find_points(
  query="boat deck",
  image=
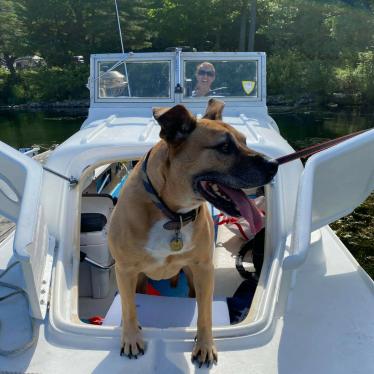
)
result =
(333, 335)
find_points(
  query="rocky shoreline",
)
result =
(336, 101)
(78, 107)
(276, 103)
(356, 231)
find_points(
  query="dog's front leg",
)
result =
(132, 342)
(204, 350)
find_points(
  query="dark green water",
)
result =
(23, 129)
(306, 128)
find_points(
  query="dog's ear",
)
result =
(176, 123)
(214, 109)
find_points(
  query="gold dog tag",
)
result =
(176, 244)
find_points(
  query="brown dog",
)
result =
(161, 223)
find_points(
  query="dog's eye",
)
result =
(225, 148)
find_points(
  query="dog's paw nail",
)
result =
(140, 349)
(122, 353)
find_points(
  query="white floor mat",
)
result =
(164, 312)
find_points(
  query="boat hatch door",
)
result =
(333, 183)
(21, 180)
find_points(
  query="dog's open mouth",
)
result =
(232, 201)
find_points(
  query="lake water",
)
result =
(304, 128)
(23, 129)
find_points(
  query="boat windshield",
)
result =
(220, 78)
(137, 79)
(152, 77)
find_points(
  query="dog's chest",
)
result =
(159, 240)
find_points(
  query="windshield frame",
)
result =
(177, 60)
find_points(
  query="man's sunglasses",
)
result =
(209, 73)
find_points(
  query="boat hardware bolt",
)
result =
(72, 181)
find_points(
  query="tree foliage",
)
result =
(12, 33)
(313, 46)
(61, 29)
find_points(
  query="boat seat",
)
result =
(96, 210)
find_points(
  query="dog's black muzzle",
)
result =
(254, 171)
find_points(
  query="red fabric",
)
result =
(96, 320)
(152, 291)
(234, 221)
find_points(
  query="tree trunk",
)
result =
(243, 22)
(9, 61)
(217, 47)
(252, 26)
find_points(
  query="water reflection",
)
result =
(23, 129)
(303, 129)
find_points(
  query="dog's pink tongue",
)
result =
(247, 208)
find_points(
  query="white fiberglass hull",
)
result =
(325, 326)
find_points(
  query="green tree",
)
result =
(61, 29)
(12, 42)
(322, 41)
(252, 26)
(316, 47)
(202, 24)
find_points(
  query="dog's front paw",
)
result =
(204, 352)
(132, 343)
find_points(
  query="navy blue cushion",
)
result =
(92, 222)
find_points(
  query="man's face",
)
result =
(205, 76)
(114, 82)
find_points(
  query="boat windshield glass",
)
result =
(220, 78)
(138, 79)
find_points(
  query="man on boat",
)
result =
(113, 84)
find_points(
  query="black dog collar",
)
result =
(177, 221)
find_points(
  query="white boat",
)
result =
(312, 310)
